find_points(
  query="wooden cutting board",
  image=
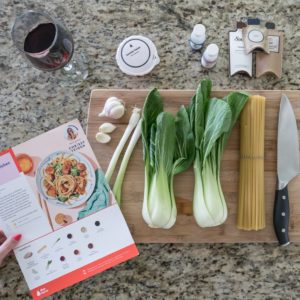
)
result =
(186, 229)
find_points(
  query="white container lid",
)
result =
(137, 56)
(211, 52)
(198, 34)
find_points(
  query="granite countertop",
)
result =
(32, 102)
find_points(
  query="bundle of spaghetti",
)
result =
(251, 200)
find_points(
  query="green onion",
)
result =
(135, 117)
(117, 189)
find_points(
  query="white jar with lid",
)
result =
(210, 56)
(137, 55)
(197, 38)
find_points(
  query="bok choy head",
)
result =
(212, 121)
(168, 150)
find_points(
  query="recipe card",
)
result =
(53, 192)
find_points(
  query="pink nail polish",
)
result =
(17, 237)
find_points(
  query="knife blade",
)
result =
(288, 167)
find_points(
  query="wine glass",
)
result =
(48, 45)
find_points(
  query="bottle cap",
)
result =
(211, 52)
(270, 25)
(198, 34)
(137, 56)
(253, 21)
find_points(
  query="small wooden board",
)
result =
(186, 230)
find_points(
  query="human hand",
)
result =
(7, 244)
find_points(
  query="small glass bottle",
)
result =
(197, 38)
(210, 56)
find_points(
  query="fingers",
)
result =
(8, 245)
(2, 237)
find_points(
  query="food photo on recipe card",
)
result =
(53, 192)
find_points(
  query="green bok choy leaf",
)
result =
(212, 121)
(168, 145)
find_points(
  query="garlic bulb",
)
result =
(103, 138)
(113, 108)
(107, 128)
(117, 112)
(113, 98)
(109, 106)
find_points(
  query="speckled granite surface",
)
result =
(32, 102)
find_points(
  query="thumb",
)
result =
(8, 245)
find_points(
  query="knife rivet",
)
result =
(282, 230)
(283, 197)
(283, 214)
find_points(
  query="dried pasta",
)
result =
(251, 199)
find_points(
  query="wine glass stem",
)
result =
(76, 68)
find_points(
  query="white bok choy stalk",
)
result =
(168, 146)
(133, 121)
(212, 121)
(117, 189)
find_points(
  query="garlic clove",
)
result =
(103, 138)
(110, 104)
(107, 107)
(107, 128)
(113, 98)
(117, 112)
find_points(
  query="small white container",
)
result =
(210, 56)
(137, 56)
(198, 36)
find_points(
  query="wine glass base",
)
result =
(76, 71)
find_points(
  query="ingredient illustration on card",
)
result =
(25, 163)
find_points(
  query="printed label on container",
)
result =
(274, 42)
(255, 36)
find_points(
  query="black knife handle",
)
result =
(281, 216)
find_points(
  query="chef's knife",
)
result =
(287, 167)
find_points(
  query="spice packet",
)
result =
(255, 36)
(271, 63)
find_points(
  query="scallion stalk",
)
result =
(117, 189)
(133, 121)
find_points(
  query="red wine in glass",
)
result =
(48, 45)
(48, 48)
